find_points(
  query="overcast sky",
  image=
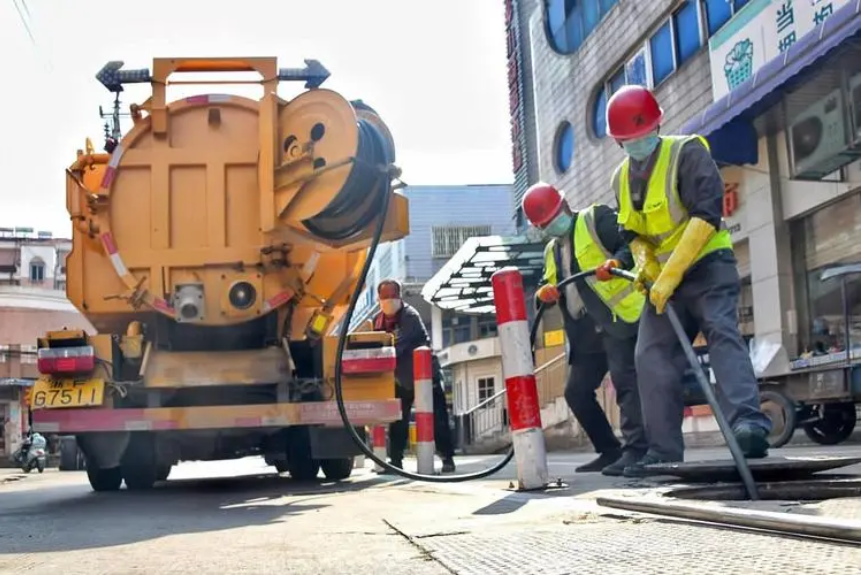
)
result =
(436, 72)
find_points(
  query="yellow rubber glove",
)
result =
(648, 267)
(697, 233)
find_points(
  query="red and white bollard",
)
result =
(518, 369)
(423, 377)
(378, 440)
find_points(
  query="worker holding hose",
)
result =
(600, 320)
(670, 204)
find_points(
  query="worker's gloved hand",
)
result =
(548, 294)
(602, 273)
(697, 233)
(648, 268)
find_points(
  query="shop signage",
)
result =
(730, 198)
(732, 209)
(759, 32)
(515, 96)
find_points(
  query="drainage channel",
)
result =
(726, 504)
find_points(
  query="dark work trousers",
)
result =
(585, 376)
(706, 300)
(399, 430)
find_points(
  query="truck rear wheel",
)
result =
(105, 479)
(300, 462)
(303, 469)
(163, 472)
(138, 465)
(140, 477)
(337, 469)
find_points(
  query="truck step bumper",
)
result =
(222, 417)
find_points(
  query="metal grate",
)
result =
(447, 240)
(637, 548)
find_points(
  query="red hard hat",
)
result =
(542, 203)
(632, 112)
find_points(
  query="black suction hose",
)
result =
(723, 424)
(342, 341)
(726, 431)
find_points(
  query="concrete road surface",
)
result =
(240, 517)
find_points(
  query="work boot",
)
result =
(752, 440)
(598, 464)
(618, 468)
(448, 465)
(399, 463)
(638, 469)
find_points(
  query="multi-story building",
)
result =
(775, 87)
(442, 218)
(32, 301)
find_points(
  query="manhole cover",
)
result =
(814, 490)
(770, 468)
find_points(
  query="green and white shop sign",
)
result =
(759, 32)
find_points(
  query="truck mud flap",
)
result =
(333, 443)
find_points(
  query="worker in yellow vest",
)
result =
(670, 204)
(600, 320)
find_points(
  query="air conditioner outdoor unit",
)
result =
(818, 140)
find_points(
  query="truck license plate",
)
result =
(67, 393)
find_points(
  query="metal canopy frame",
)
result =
(463, 283)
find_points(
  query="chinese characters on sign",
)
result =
(760, 32)
(785, 26)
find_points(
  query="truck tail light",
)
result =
(68, 360)
(365, 361)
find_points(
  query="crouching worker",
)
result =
(600, 316)
(404, 322)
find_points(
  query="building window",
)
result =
(617, 81)
(37, 271)
(686, 23)
(564, 147)
(487, 327)
(599, 114)
(663, 55)
(486, 388)
(718, 12)
(448, 239)
(570, 22)
(29, 354)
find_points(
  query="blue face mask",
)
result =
(560, 225)
(642, 148)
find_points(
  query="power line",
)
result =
(24, 19)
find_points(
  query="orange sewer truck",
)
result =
(216, 245)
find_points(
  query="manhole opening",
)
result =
(798, 491)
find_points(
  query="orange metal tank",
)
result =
(217, 210)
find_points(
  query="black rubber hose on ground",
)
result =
(342, 342)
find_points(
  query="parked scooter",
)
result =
(31, 454)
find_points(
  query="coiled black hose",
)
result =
(359, 201)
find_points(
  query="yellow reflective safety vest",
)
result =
(663, 219)
(618, 294)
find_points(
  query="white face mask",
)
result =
(390, 306)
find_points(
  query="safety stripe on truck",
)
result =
(359, 361)
(277, 300)
(195, 418)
